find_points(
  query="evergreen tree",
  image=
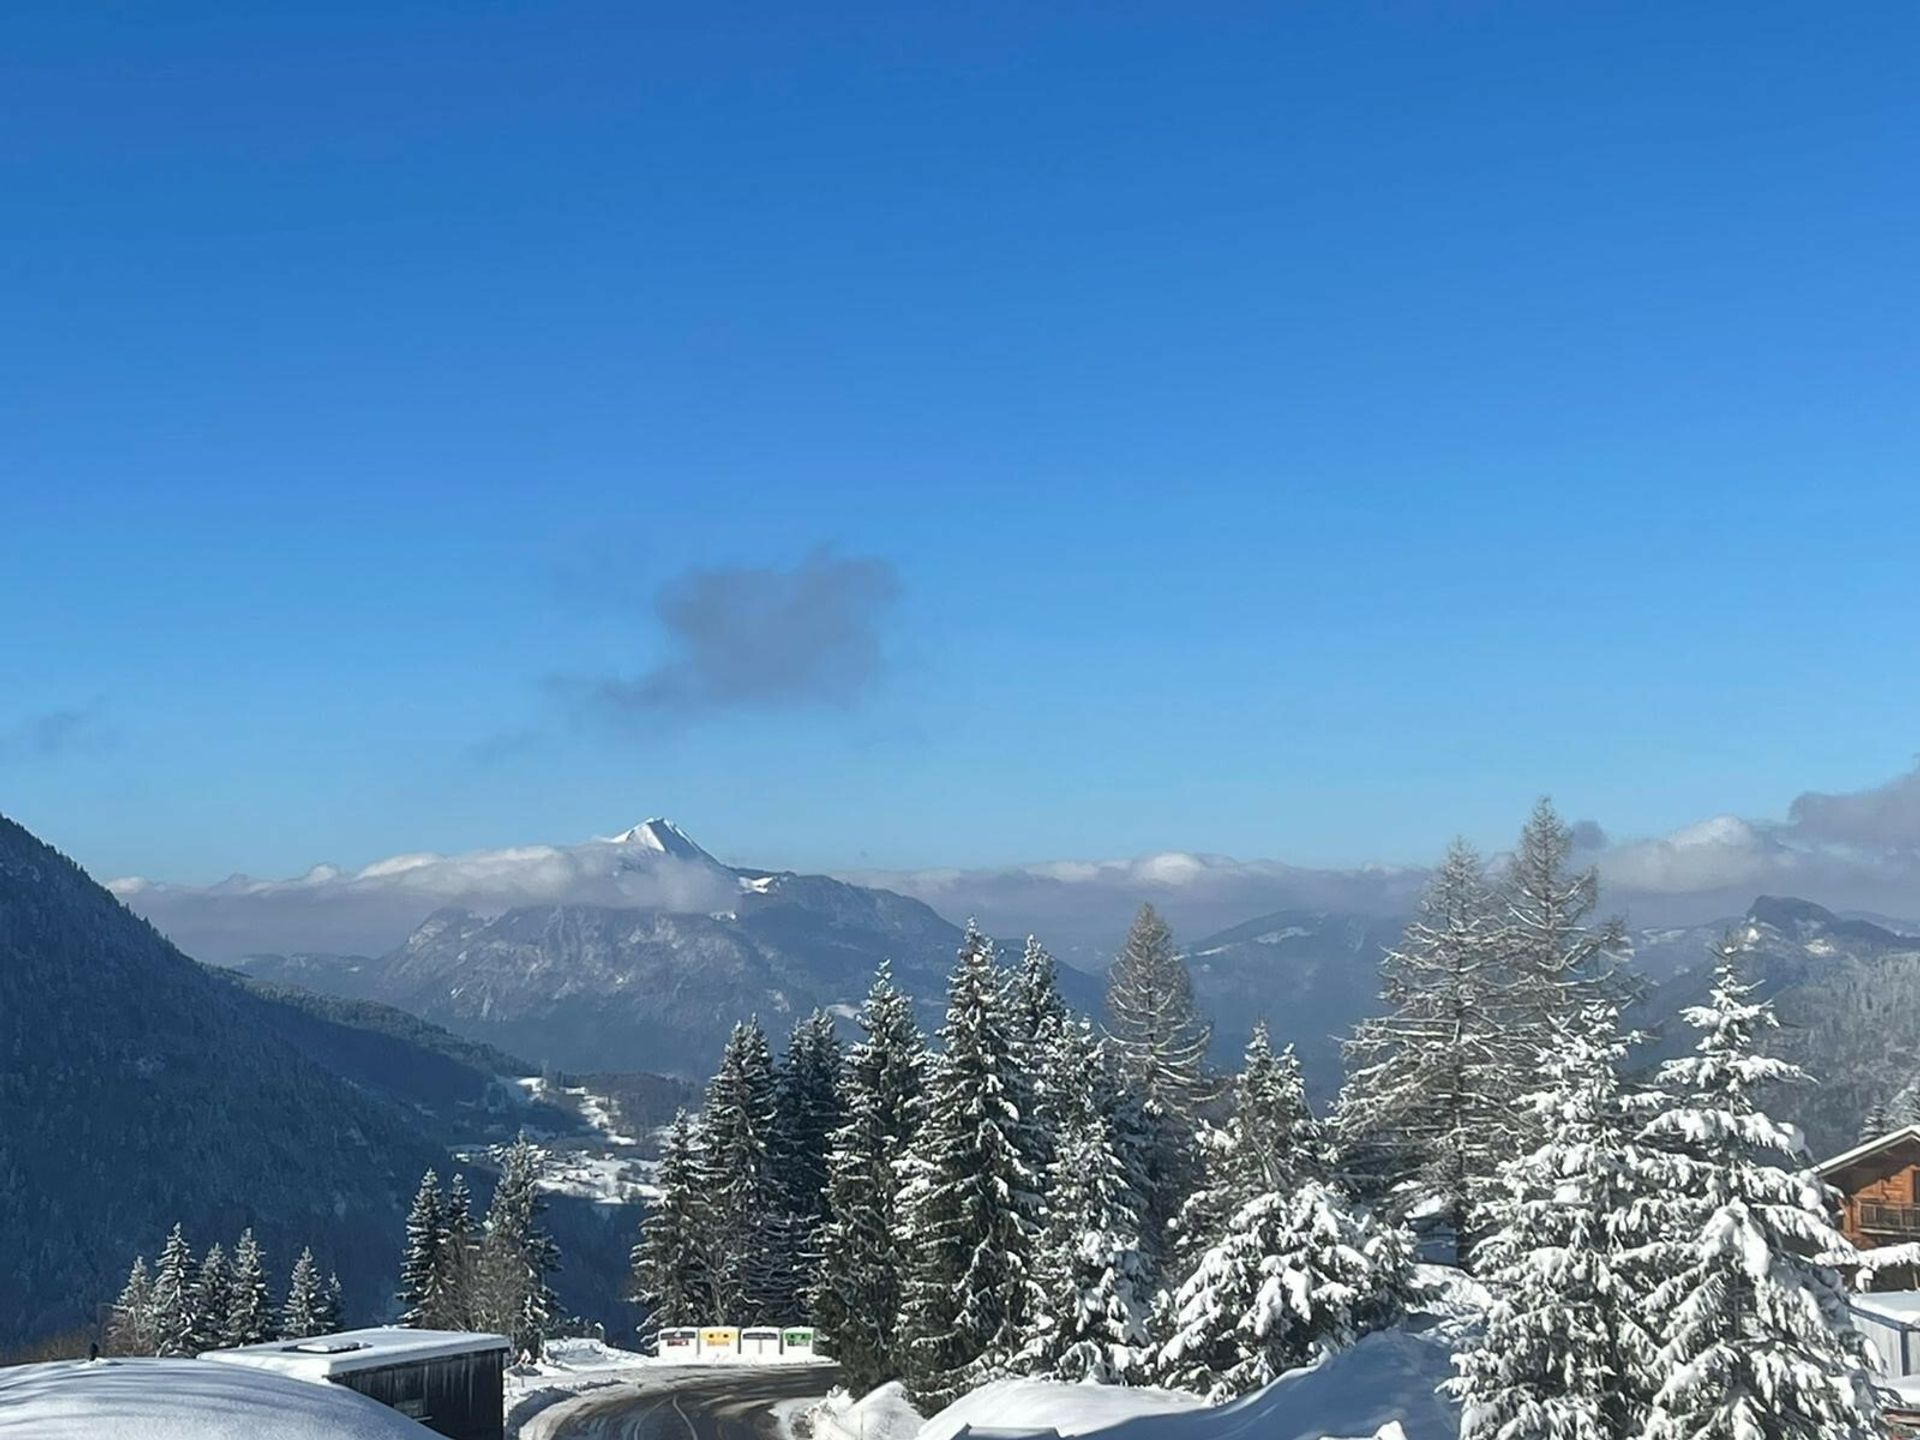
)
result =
(669, 1275)
(861, 1282)
(808, 1112)
(1433, 1093)
(173, 1281)
(331, 1315)
(1045, 1092)
(750, 1259)
(971, 1203)
(250, 1316)
(212, 1301)
(1755, 1342)
(517, 1254)
(1295, 1277)
(303, 1314)
(420, 1267)
(1160, 1043)
(1564, 1351)
(457, 1260)
(1561, 962)
(1092, 1275)
(130, 1332)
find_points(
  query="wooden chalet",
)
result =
(1879, 1185)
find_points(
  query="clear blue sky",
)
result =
(1301, 430)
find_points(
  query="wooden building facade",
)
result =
(1879, 1185)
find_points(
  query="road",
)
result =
(731, 1402)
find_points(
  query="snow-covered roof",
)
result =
(186, 1400)
(1868, 1147)
(324, 1356)
(1900, 1306)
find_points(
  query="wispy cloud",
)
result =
(52, 733)
(756, 638)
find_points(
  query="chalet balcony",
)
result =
(1881, 1219)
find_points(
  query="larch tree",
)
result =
(517, 1254)
(1160, 1042)
(669, 1275)
(859, 1289)
(1750, 1316)
(1564, 1352)
(971, 1203)
(173, 1314)
(304, 1312)
(1434, 1084)
(1562, 961)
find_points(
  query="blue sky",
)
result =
(1290, 430)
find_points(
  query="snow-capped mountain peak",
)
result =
(663, 837)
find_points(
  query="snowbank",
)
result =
(1381, 1389)
(567, 1357)
(185, 1400)
(883, 1414)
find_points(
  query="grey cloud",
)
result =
(53, 733)
(1882, 815)
(1588, 836)
(758, 638)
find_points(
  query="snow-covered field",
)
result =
(185, 1400)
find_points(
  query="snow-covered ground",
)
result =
(1381, 1389)
(537, 1395)
(883, 1414)
(185, 1400)
(606, 1165)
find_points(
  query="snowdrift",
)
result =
(1381, 1389)
(185, 1400)
(883, 1414)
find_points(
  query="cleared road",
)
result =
(731, 1402)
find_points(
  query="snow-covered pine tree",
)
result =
(808, 1112)
(332, 1312)
(861, 1282)
(1296, 1276)
(669, 1275)
(1431, 1104)
(1755, 1342)
(250, 1317)
(1564, 1353)
(130, 1331)
(457, 1260)
(1093, 1278)
(1161, 1044)
(749, 1249)
(212, 1300)
(970, 1202)
(173, 1279)
(1562, 963)
(420, 1269)
(302, 1315)
(517, 1254)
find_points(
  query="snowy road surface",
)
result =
(731, 1402)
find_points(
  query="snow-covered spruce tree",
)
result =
(517, 1254)
(970, 1201)
(1295, 1276)
(1094, 1284)
(1434, 1085)
(130, 1331)
(1561, 961)
(332, 1312)
(173, 1280)
(1754, 1337)
(859, 1289)
(457, 1261)
(750, 1259)
(250, 1317)
(669, 1275)
(1044, 1089)
(807, 1108)
(1564, 1354)
(1160, 1042)
(420, 1269)
(302, 1316)
(212, 1300)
